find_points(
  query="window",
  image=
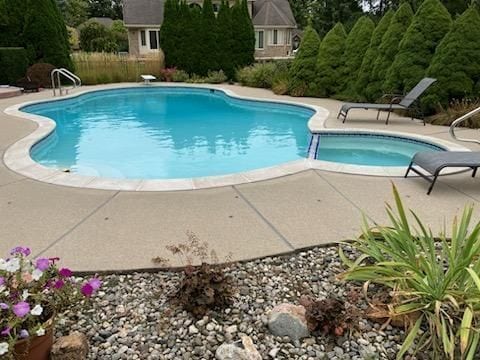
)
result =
(216, 8)
(143, 38)
(288, 37)
(258, 39)
(153, 35)
(275, 37)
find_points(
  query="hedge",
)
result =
(13, 64)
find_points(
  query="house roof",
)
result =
(273, 13)
(143, 12)
(265, 13)
(105, 21)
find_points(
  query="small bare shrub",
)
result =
(40, 74)
(203, 287)
(456, 109)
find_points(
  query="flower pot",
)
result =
(35, 347)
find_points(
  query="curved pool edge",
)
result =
(17, 157)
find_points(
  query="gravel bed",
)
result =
(132, 317)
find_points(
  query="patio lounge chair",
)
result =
(435, 161)
(397, 102)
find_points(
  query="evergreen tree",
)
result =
(356, 46)
(208, 38)
(429, 25)
(225, 44)
(13, 23)
(168, 32)
(192, 48)
(387, 51)
(456, 64)
(365, 72)
(45, 34)
(303, 69)
(329, 61)
(243, 35)
(326, 13)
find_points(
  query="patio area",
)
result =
(103, 230)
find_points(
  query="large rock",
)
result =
(243, 351)
(288, 320)
(72, 347)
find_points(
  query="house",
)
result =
(272, 19)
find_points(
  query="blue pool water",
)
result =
(162, 133)
(369, 149)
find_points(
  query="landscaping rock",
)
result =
(244, 351)
(289, 320)
(72, 347)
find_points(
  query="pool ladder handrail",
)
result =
(458, 121)
(77, 82)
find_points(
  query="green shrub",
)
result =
(260, 75)
(95, 37)
(387, 51)
(45, 34)
(216, 77)
(120, 35)
(13, 65)
(356, 46)
(366, 69)
(329, 61)
(180, 76)
(433, 281)
(429, 25)
(456, 63)
(303, 70)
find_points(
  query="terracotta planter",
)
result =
(36, 348)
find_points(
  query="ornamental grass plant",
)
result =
(32, 291)
(434, 280)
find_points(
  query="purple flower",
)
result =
(59, 284)
(64, 272)
(21, 309)
(87, 290)
(3, 306)
(24, 334)
(20, 250)
(42, 264)
(6, 331)
(95, 283)
(2, 281)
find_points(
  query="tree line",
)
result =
(197, 41)
(393, 56)
(323, 15)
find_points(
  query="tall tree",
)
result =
(208, 39)
(225, 42)
(456, 63)
(100, 8)
(326, 13)
(117, 9)
(303, 69)
(75, 12)
(243, 35)
(356, 46)
(168, 32)
(45, 34)
(13, 23)
(387, 50)
(329, 61)
(365, 72)
(429, 25)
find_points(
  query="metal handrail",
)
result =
(69, 75)
(458, 121)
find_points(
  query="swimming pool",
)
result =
(168, 133)
(368, 149)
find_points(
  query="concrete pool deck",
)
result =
(94, 230)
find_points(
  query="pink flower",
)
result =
(95, 283)
(87, 290)
(6, 331)
(64, 272)
(42, 264)
(21, 309)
